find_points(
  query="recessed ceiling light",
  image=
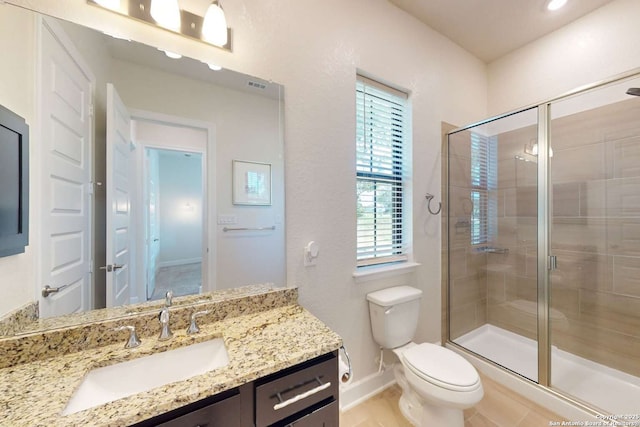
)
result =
(214, 67)
(555, 4)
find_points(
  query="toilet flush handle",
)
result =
(389, 310)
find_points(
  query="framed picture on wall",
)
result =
(251, 183)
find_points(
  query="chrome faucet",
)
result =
(193, 327)
(133, 340)
(165, 332)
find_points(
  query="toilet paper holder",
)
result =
(345, 376)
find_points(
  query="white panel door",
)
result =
(64, 99)
(119, 184)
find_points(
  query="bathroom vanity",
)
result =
(281, 369)
(303, 395)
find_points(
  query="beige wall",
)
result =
(593, 48)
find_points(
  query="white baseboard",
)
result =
(361, 390)
(176, 262)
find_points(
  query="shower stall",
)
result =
(542, 244)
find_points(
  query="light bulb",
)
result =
(556, 4)
(166, 13)
(214, 26)
(214, 67)
(109, 4)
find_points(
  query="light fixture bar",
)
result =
(191, 24)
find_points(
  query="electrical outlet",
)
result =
(227, 219)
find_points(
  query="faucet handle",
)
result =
(133, 340)
(165, 332)
(193, 327)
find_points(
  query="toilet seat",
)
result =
(441, 367)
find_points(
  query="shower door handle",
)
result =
(553, 262)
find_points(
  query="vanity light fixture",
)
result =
(555, 4)
(214, 25)
(109, 4)
(207, 25)
(166, 13)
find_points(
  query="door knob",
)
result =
(48, 290)
(111, 267)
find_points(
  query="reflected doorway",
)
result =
(174, 226)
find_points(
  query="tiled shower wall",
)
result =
(468, 278)
(595, 173)
(595, 292)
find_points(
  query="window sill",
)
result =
(366, 274)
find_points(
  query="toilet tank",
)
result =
(394, 315)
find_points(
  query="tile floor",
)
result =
(500, 407)
(181, 279)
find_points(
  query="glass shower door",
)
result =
(493, 238)
(595, 291)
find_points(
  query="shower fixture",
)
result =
(635, 91)
(531, 148)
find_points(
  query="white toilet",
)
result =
(437, 384)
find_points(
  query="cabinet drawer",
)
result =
(225, 413)
(327, 416)
(296, 389)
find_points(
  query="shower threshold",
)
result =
(597, 385)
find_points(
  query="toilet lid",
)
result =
(441, 366)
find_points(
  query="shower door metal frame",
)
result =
(544, 247)
(546, 260)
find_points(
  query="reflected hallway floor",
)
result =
(500, 407)
(183, 280)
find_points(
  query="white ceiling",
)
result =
(490, 29)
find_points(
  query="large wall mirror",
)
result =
(155, 173)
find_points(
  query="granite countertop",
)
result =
(258, 344)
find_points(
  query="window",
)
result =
(381, 168)
(483, 188)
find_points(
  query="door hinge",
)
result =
(553, 262)
(91, 110)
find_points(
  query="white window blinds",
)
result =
(381, 173)
(483, 188)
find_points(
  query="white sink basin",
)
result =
(103, 385)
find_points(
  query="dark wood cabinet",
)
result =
(294, 393)
(326, 416)
(231, 408)
(225, 413)
(305, 395)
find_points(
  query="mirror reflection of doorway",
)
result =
(173, 222)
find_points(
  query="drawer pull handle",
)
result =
(302, 395)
